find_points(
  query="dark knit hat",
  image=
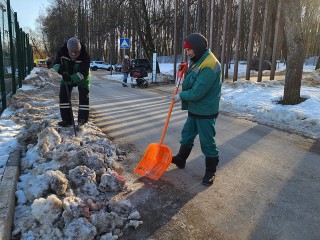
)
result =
(73, 45)
(198, 43)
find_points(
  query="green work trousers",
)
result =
(207, 132)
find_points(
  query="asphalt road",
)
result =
(267, 185)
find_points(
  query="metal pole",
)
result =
(3, 8)
(3, 85)
(12, 50)
(29, 54)
(18, 47)
(24, 72)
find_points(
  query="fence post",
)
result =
(29, 54)
(24, 65)
(12, 52)
(18, 48)
(3, 84)
(31, 57)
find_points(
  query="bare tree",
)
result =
(318, 63)
(275, 41)
(143, 28)
(263, 40)
(236, 57)
(293, 31)
(149, 25)
(250, 43)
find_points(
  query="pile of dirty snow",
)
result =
(67, 185)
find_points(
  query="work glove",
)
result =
(62, 69)
(176, 98)
(66, 77)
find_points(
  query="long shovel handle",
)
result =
(69, 99)
(71, 111)
(182, 69)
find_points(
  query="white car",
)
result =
(95, 65)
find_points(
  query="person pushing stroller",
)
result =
(125, 70)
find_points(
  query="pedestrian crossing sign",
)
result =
(124, 43)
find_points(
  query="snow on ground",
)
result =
(67, 185)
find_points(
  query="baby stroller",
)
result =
(138, 75)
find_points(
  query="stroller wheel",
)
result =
(133, 86)
(144, 84)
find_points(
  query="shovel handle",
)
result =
(69, 98)
(182, 69)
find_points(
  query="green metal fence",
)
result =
(16, 59)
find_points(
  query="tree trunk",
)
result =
(211, 24)
(175, 39)
(250, 42)
(263, 41)
(217, 48)
(236, 56)
(225, 17)
(145, 35)
(199, 17)
(318, 63)
(186, 27)
(228, 48)
(293, 33)
(275, 42)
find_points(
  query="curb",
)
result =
(7, 194)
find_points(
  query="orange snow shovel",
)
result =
(157, 157)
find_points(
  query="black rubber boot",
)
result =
(64, 123)
(180, 159)
(81, 123)
(211, 167)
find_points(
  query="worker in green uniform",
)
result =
(200, 96)
(73, 63)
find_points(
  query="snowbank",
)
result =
(67, 183)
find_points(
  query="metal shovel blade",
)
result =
(155, 161)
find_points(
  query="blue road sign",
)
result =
(124, 43)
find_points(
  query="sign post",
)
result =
(154, 67)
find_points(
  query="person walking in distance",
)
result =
(73, 63)
(125, 70)
(200, 96)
